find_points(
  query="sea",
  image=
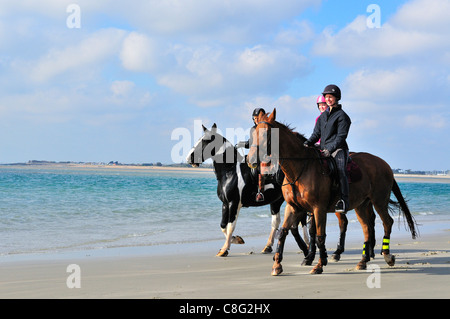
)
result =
(49, 210)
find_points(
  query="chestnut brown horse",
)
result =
(306, 188)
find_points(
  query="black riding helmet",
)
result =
(333, 90)
(257, 111)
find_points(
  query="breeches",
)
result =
(341, 158)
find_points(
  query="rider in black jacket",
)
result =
(247, 144)
(332, 129)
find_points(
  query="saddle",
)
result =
(354, 173)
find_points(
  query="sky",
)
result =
(130, 81)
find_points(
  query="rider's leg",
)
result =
(341, 157)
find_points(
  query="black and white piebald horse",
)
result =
(236, 187)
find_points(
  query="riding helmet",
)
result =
(257, 111)
(333, 90)
(320, 99)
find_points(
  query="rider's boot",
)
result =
(259, 194)
(342, 205)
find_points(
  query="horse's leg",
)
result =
(363, 212)
(373, 241)
(343, 222)
(312, 244)
(276, 219)
(228, 228)
(289, 219)
(383, 211)
(223, 252)
(320, 216)
(300, 242)
(305, 229)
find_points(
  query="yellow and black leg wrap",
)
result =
(385, 247)
(366, 251)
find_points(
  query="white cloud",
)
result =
(384, 85)
(94, 49)
(194, 47)
(140, 53)
(418, 28)
(423, 15)
(196, 19)
(357, 43)
(300, 32)
(208, 74)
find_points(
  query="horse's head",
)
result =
(196, 154)
(261, 148)
(210, 145)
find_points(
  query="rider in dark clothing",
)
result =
(332, 129)
(247, 144)
(255, 114)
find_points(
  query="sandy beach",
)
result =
(192, 271)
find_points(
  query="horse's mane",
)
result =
(288, 127)
(238, 157)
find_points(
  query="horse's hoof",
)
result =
(316, 270)
(361, 265)
(336, 257)
(222, 253)
(267, 250)
(390, 259)
(237, 240)
(277, 270)
(306, 262)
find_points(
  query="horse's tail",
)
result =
(401, 204)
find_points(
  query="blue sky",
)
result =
(117, 86)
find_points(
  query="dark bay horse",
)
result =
(236, 188)
(306, 188)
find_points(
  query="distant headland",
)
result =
(158, 165)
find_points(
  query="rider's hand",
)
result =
(326, 153)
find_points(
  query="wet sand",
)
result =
(192, 271)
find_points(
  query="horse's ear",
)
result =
(214, 127)
(204, 128)
(272, 115)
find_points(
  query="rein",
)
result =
(279, 159)
(303, 168)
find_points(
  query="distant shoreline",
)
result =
(62, 165)
(422, 178)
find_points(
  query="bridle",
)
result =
(268, 156)
(279, 159)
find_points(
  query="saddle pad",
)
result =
(354, 173)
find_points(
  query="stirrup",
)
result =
(259, 197)
(338, 209)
